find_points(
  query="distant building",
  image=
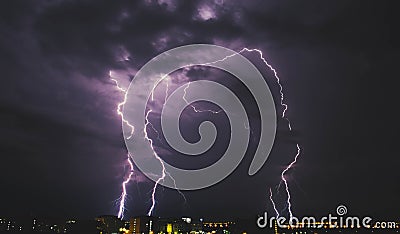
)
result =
(109, 224)
(184, 225)
(9, 225)
(143, 224)
(82, 226)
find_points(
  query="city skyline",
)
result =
(108, 224)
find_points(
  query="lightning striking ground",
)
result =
(273, 203)
(122, 199)
(124, 194)
(153, 194)
(283, 116)
(148, 123)
(286, 183)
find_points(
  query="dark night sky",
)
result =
(61, 143)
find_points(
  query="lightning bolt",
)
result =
(162, 177)
(273, 203)
(164, 172)
(122, 199)
(124, 194)
(286, 183)
(147, 124)
(283, 116)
